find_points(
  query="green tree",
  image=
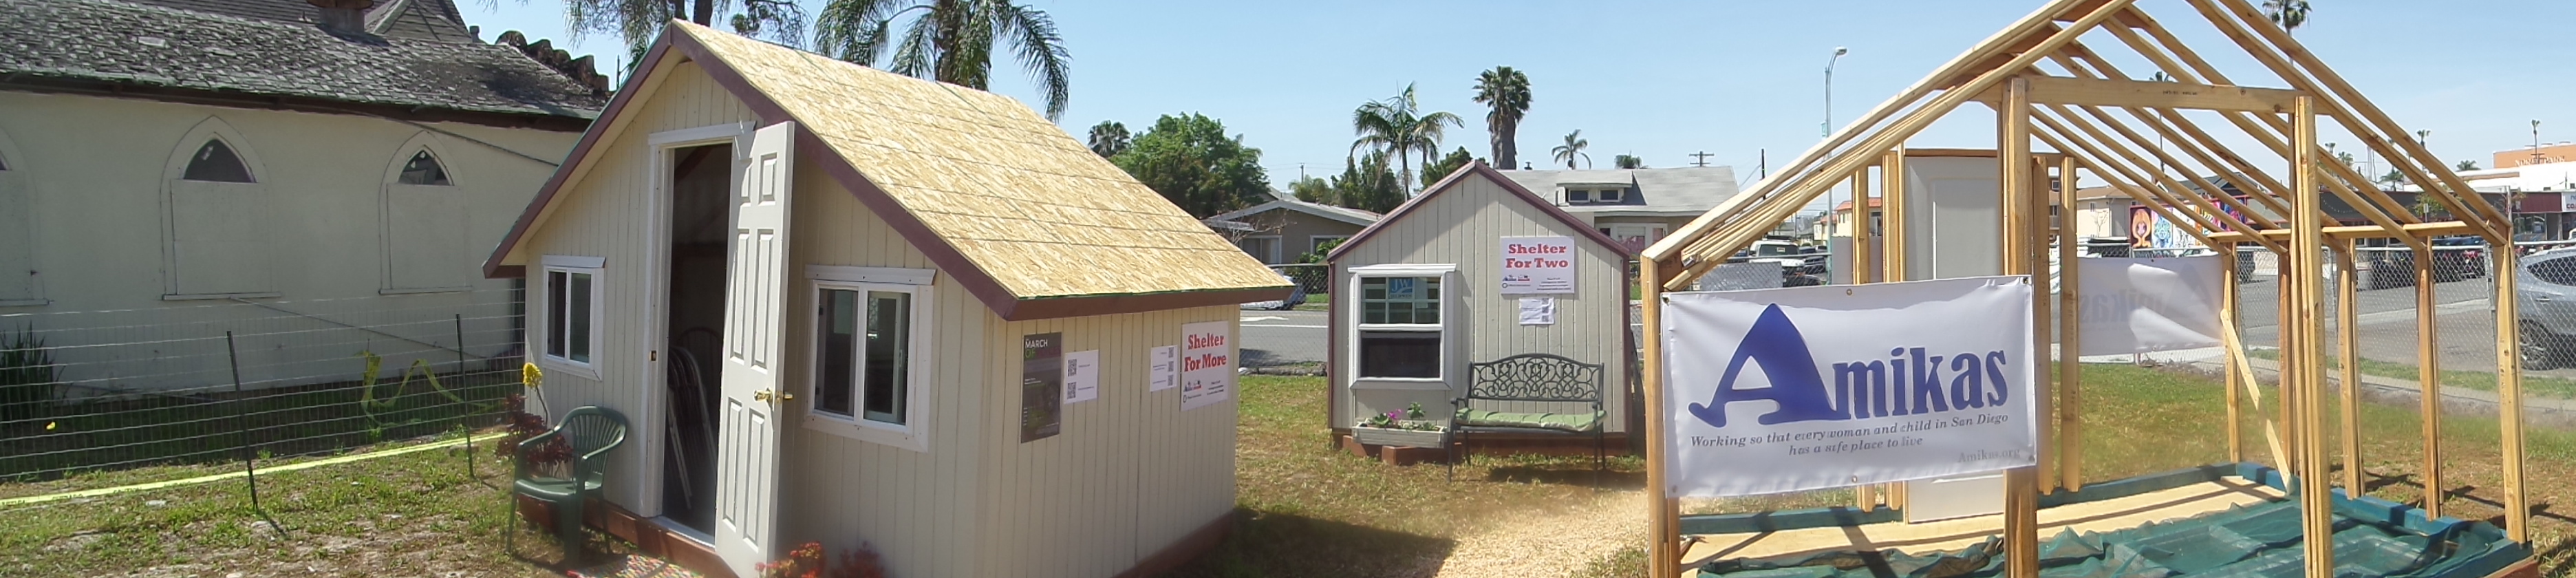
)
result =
(1190, 160)
(1440, 169)
(1322, 248)
(1313, 190)
(2290, 14)
(1628, 162)
(1366, 184)
(1507, 93)
(1109, 138)
(2465, 166)
(1398, 127)
(1573, 147)
(950, 41)
(636, 21)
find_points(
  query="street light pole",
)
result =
(1827, 131)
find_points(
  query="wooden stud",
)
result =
(2234, 363)
(2241, 373)
(2034, 254)
(2021, 485)
(2428, 372)
(2417, 232)
(1663, 526)
(2517, 504)
(2348, 341)
(2070, 367)
(1897, 229)
(2316, 498)
(1862, 232)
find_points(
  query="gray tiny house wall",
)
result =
(1463, 225)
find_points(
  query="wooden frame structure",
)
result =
(2049, 87)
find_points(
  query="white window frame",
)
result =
(1313, 240)
(596, 268)
(1449, 312)
(1578, 196)
(914, 433)
(1609, 195)
(1275, 251)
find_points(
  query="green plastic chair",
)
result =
(591, 431)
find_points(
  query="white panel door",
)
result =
(747, 431)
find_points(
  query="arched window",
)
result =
(219, 218)
(423, 169)
(216, 163)
(425, 220)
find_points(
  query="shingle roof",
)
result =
(1680, 191)
(1343, 214)
(1024, 216)
(418, 57)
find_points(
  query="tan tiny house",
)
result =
(822, 295)
(1422, 296)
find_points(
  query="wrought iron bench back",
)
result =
(1534, 377)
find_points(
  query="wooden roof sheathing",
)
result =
(1027, 219)
(1016, 196)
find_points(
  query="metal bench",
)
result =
(1532, 377)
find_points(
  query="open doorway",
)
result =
(701, 198)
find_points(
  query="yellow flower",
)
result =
(530, 375)
(49, 426)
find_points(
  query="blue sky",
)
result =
(1664, 79)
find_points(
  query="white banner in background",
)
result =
(2148, 305)
(1780, 390)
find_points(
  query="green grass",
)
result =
(2534, 385)
(417, 514)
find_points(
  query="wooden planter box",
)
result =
(1398, 437)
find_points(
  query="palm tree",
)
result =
(636, 21)
(2465, 166)
(1109, 138)
(1507, 91)
(1399, 128)
(2290, 14)
(1628, 162)
(950, 41)
(1573, 147)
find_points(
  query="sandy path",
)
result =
(1552, 544)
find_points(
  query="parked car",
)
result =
(2244, 256)
(2545, 293)
(1296, 296)
(2459, 257)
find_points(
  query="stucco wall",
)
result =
(1464, 227)
(94, 188)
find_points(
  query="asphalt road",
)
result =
(1274, 338)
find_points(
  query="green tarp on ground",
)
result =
(2260, 540)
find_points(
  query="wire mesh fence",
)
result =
(191, 383)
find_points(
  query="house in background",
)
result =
(890, 294)
(333, 164)
(1634, 206)
(1285, 228)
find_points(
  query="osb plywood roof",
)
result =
(1016, 196)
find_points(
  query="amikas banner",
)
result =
(1779, 390)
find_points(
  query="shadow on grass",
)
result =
(1274, 544)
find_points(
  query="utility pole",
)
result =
(1699, 159)
(1765, 165)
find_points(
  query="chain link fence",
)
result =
(227, 381)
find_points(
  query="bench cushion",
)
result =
(1565, 422)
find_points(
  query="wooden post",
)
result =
(1663, 526)
(2428, 372)
(2035, 233)
(2517, 505)
(2021, 485)
(1861, 230)
(2316, 498)
(2227, 319)
(2291, 430)
(2348, 338)
(2070, 369)
(1895, 250)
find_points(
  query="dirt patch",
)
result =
(1550, 543)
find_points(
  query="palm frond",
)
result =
(913, 55)
(855, 31)
(1041, 50)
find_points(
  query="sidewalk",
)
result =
(2546, 411)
